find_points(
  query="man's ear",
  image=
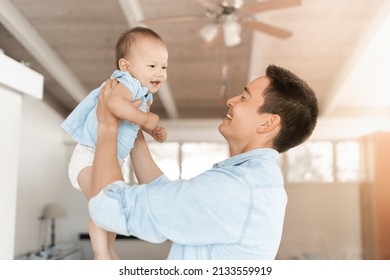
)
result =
(269, 123)
(123, 64)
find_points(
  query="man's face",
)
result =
(242, 119)
(148, 63)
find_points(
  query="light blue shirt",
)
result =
(82, 123)
(233, 211)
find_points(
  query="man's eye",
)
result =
(242, 97)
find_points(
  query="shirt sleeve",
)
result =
(132, 84)
(199, 211)
(124, 209)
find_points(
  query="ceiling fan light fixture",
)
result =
(209, 32)
(232, 3)
(231, 33)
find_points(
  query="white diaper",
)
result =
(82, 157)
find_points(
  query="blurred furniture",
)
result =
(375, 195)
(57, 252)
(308, 246)
(129, 248)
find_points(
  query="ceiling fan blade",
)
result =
(209, 4)
(266, 28)
(257, 7)
(173, 19)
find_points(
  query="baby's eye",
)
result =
(164, 67)
(152, 66)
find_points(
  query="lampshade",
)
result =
(209, 32)
(232, 33)
(53, 211)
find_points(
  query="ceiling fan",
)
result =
(229, 16)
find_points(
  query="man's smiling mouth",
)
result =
(229, 116)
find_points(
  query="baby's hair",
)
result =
(128, 39)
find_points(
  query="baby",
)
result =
(142, 60)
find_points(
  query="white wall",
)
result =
(10, 105)
(11, 92)
(42, 172)
(322, 219)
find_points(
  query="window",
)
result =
(199, 157)
(167, 158)
(347, 161)
(323, 161)
(182, 160)
(313, 161)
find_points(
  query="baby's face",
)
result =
(148, 63)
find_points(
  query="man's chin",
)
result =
(221, 129)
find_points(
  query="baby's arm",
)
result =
(159, 133)
(121, 105)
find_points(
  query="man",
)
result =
(233, 211)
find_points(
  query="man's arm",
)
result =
(144, 166)
(105, 169)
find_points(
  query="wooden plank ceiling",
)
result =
(80, 35)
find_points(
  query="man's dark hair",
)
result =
(128, 39)
(296, 104)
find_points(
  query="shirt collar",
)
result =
(255, 153)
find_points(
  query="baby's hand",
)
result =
(151, 122)
(159, 134)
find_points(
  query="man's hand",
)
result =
(103, 112)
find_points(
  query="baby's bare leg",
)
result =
(111, 240)
(101, 240)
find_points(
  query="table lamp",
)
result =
(53, 212)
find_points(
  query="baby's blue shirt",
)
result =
(82, 123)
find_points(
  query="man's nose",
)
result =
(231, 100)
